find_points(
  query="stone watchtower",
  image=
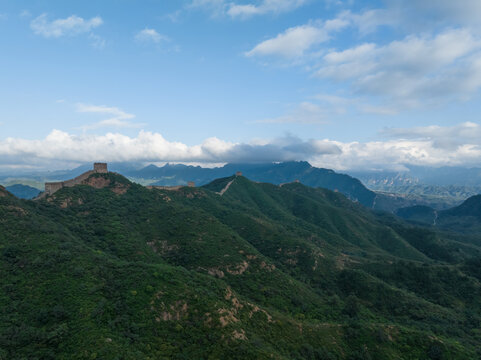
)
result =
(52, 187)
(100, 168)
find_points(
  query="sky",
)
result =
(362, 85)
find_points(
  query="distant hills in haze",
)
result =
(465, 218)
(441, 187)
(387, 199)
(275, 173)
(383, 190)
(23, 191)
(270, 173)
(415, 175)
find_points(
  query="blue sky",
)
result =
(342, 84)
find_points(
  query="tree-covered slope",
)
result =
(113, 270)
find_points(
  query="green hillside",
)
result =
(419, 213)
(113, 270)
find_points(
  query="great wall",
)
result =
(53, 187)
(101, 168)
(172, 188)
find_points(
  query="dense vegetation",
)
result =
(113, 270)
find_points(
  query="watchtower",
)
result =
(238, 173)
(100, 168)
(191, 184)
(52, 187)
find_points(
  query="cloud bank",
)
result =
(434, 58)
(431, 146)
(73, 25)
(150, 36)
(238, 10)
(295, 41)
(117, 117)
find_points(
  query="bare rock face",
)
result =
(97, 182)
(3, 192)
(100, 182)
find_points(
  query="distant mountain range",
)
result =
(387, 199)
(275, 173)
(414, 175)
(270, 173)
(465, 218)
(23, 191)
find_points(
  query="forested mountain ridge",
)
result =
(274, 173)
(464, 218)
(115, 270)
(387, 199)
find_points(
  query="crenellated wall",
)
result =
(100, 168)
(53, 187)
(171, 188)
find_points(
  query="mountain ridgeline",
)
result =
(279, 173)
(234, 269)
(276, 173)
(270, 173)
(465, 218)
(23, 191)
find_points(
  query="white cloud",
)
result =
(296, 41)
(369, 20)
(242, 10)
(413, 71)
(264, 7)
(73, 25)
(458, 145)
(443, 137)
(443, 12)
(152, 147)
(416, 15)
(119, 118)
(102, 109)
(437, 62)
(150, 35)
